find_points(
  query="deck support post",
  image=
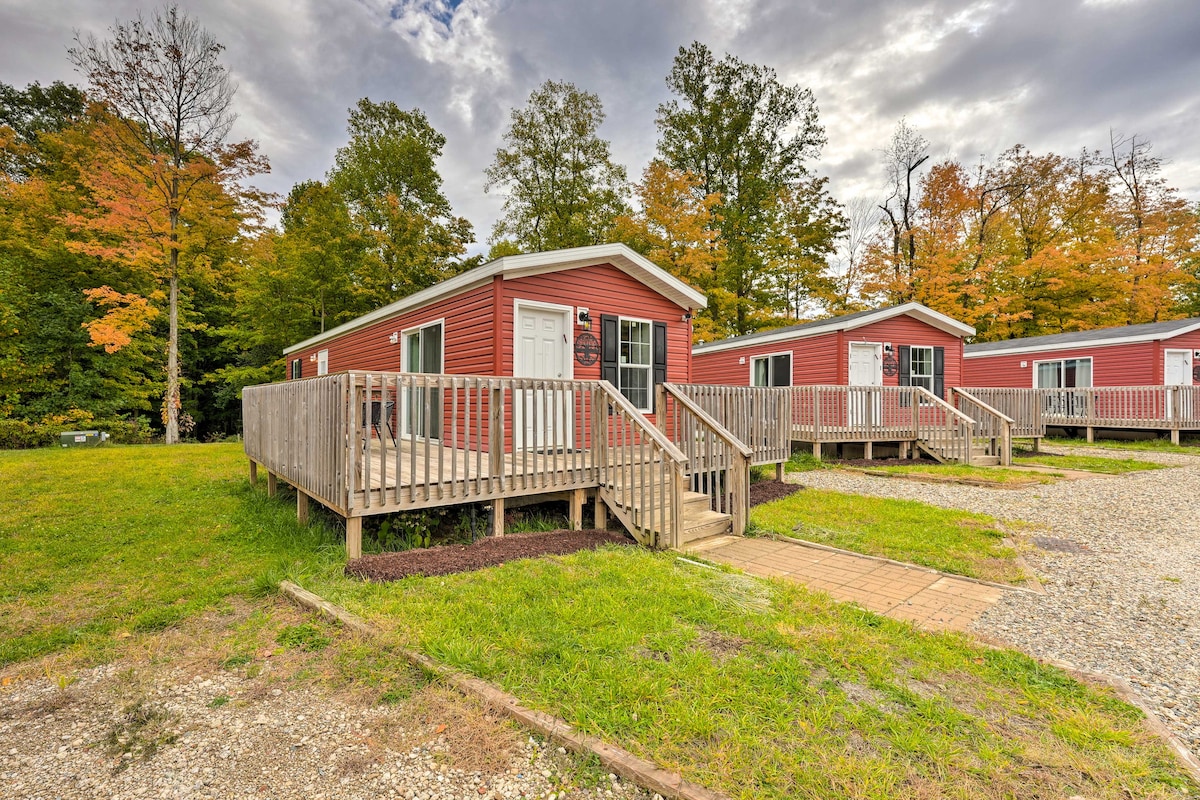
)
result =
(253, 472)
(868, 450)
(498, 516)
(577, 498)
(1175, 436)
(272, 484)
(1036, 442)
(601, 512)
(301, 507)
(779, 471)
(902, 450)
(816, 450)
(353, 537)
(1091, 434)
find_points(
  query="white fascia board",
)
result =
(619, 255)
(1017, 349)
(782, 336)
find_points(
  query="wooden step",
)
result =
(704, 524)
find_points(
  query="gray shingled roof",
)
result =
(1149, 331)
(820, 323)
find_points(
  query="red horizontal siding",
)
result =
(468, 331)
(824, 359)
(602, 289)
(1135, 364)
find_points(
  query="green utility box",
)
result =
(81, 438)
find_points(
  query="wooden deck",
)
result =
(364, 443)
(1172, 409)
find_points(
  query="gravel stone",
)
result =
(226, 736)
(1124, 600)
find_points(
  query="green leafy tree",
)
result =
(750, 139)
(26, 114)
(387, 176)
(561, 186)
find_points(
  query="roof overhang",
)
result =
(917, 311)
(1018, 349)
(620, 256)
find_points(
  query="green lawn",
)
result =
(757, 689)
(905, 530)
(1102, 464)
(125, 539)
(765, 690)
(998, 475)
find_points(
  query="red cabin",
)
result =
(584, 313)
(1153, 354)
(905, 345)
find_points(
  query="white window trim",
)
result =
(323, 362)
(791, 364)
(932, 376)
(568, 313)
(1091, 371)
(649, 367)
(404, 365)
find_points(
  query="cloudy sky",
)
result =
(973, 77)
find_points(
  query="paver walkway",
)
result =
(926, 598)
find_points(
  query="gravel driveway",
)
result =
(1120, 562)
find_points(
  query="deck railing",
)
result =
(990, 425)
(642, 474)
(755, 416)
(369, 442)
(941, 428)
(299, 430)
(719, 464)
(1138, 407)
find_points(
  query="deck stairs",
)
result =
(981, 454)
(641, 512)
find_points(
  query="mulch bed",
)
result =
(766, 491)
(488, 552)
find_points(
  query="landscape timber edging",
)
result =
(621, 762)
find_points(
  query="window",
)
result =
(635, 359)
(1068, 373)
(423, 350)
(771, 370)
(323, 362)
(297, 369)
(920, 367)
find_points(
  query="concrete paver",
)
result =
(928, 599)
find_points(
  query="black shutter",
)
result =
(610, 347)
(939, 372)
(905, 366)
(659, 348)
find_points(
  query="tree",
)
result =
(172, 101)
(563, 189)
(387, 177)
(28, 114)
(905, 154)
(676, 228)
(749, 139)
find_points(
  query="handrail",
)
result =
(719, 462)
(703, 415)
(1004, 443)
(937, 401)
(758, 417)
(615, 397)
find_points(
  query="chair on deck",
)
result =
(381, 415)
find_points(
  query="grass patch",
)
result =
(765, 690)
(1102, 464)
(804, 461)
(997, 475)
(905, 530)
(100, 544)
(1149, 445)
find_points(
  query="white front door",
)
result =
(1177, 371)
(541, 350)
(866, 369)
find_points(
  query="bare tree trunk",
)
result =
(172, 399)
